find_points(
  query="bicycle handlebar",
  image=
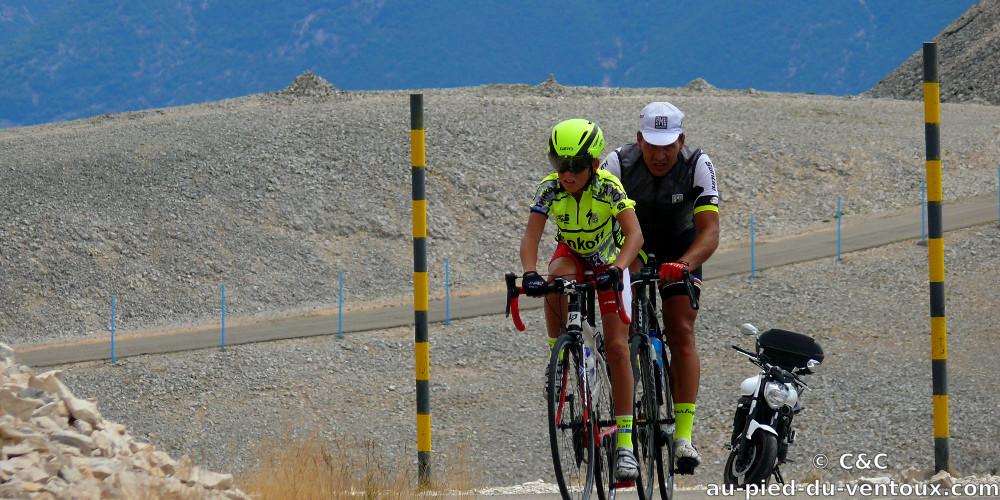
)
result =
(557, 285)
(650, 274)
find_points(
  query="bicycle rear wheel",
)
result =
(570, 421)
(604, 430)
(668, 425)
(645, 428)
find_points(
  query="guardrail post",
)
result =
(223, 316)
(340, 307)
(447, 294)
(112, 328)
(838, 228)
(752, 266)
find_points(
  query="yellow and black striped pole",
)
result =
(935, 256)
(420, 289)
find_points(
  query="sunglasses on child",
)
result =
(574, 164)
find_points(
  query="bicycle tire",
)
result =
(604, 431)
(668, 426)
(570, 425)
(645, 428)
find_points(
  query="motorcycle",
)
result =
(762, 426)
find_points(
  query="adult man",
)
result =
(677, 204)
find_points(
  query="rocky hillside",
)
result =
(968, 61)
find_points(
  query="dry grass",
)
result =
(310, 467)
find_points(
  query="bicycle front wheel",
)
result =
(668, 425)
(570, 421)
(645, 427)
(605, 428)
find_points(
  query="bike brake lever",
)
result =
(689, 285)
(512, 292)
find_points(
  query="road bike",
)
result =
(654, 424)
(581, 413)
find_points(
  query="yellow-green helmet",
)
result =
(573, 144)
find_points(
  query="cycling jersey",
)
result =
(665, 206)
(589, 227)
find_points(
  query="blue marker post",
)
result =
(223, 317)
(447, 294)
(752, 266)
(112, 328)
(838, 228)
(340, 308)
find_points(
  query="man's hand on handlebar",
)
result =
(611, 277)
(533, 284)
(673, 272)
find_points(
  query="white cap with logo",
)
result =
(660, 123)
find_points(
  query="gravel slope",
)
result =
(273, 194)
(873, 395)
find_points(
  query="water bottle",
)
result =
(654, 339)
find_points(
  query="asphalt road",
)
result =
(854, 235)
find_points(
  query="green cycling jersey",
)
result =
(588, 226)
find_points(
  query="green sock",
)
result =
(684, 412)
(552, 345)
(624, 431)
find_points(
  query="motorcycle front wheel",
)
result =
(761, 458)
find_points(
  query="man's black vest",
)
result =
(663, 205)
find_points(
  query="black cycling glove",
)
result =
(609, 278)
(533, 284)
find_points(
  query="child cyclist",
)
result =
(597, 230)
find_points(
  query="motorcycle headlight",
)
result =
(776, 394)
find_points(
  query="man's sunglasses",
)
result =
(574, 164)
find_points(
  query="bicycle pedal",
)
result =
(684, 471)
(624, 484)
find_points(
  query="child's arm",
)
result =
(529, 242)
(633, 239)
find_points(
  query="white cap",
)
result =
(660, 123)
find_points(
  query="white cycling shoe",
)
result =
(628, 468)
(687, 456)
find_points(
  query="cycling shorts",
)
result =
(606, 299)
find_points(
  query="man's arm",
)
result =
(706, 223)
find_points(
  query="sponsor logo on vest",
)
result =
(581, 244)
(677, 198)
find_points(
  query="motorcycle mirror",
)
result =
(748, 329)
